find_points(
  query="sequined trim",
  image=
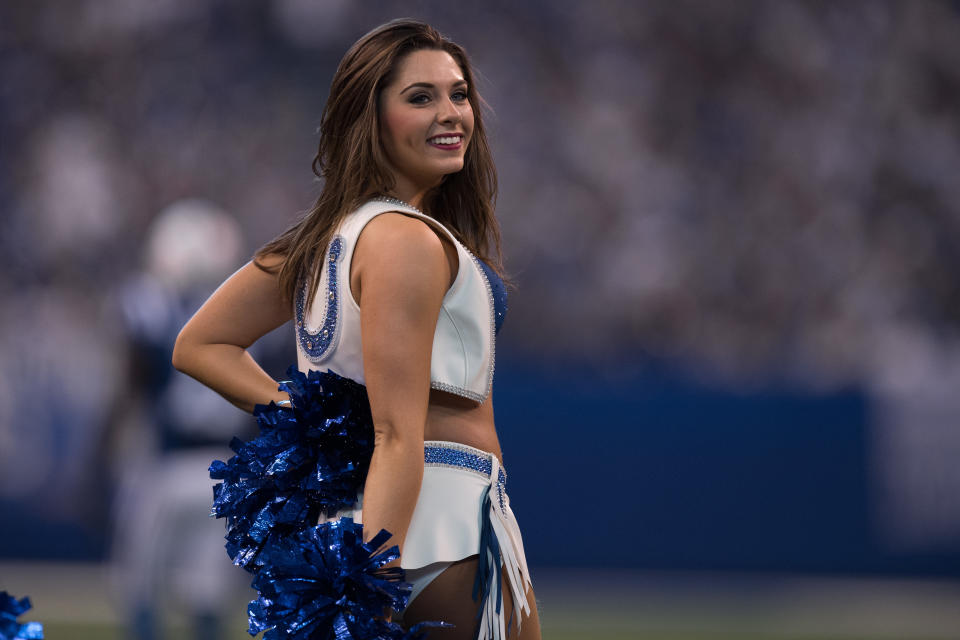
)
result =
(460, 391)
(453, 455)
(493, 322)
(315, 345)
(392, 200)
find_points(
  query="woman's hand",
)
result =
(404, 274)
(212, 346)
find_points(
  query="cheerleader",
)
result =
(394, 282)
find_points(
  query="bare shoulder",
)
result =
(400, 240)
(393, 229)
(402, 250)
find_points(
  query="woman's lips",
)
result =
(433, 142)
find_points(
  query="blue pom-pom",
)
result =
(325, 583)
(309, 459)
(315, 582)
(10, 629)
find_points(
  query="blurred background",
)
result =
(727, 385)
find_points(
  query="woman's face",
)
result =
(426, 121)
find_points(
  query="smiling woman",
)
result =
(394, 292)
(427, 122)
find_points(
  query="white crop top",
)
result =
(328, 333)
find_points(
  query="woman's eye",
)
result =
(422, 98)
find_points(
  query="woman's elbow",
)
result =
(389, 435)
(181, 352)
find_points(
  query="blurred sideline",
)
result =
(69, 598)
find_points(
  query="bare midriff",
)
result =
(456, 419)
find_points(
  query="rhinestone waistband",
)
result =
(440, 453)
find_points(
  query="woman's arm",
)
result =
(403, 274)
(212, 346)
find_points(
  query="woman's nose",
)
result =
(449, 112)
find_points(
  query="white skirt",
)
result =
(464, 491)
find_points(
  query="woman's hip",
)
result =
(448, 518)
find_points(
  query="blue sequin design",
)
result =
(316, 344)
(450, 457)
(499, 292)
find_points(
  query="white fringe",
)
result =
(514, 564)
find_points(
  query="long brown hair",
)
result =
(351, 161)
